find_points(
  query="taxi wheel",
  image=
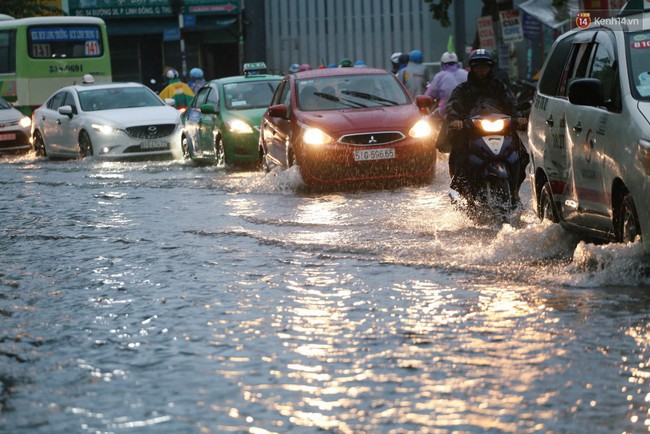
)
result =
(185, 147)
(219, 153)
(627, 227)
(546, 206)
(85, 145)
(39, 145)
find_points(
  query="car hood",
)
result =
(644, 108)
(253, 116)
(137, 116)
(339, 122)
(10, 115)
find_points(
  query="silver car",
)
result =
(14, 130)
(109, 121)
(589, 131)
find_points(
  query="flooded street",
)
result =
(162, 297)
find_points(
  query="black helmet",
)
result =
(481, 56)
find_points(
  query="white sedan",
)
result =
(110, 120)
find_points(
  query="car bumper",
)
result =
(123, 146)
(14, 141)
(413, 159)
(241, 148)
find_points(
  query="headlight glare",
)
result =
(315, 136)
(421, 130)
(25, 122)
(492, 126)
(104, 129)
(237, 126)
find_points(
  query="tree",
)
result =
(440, 9)
(28, 8)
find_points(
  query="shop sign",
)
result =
(511, 28)
(149, 8)
(486, 32)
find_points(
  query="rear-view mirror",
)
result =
(586, 91)
(278, 111)
(66, 110)
(208, 109)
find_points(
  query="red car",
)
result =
(348, 124)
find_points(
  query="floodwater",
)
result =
(162, 297)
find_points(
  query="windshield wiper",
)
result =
(368, 96)
(330, 97)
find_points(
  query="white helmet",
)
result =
(395, 57)
(448, 57)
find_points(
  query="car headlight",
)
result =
(237, 126)
(25, 122)
(421, 130)
(105, 129)
(316, 137)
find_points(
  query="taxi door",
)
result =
(193, 121)
(53, 122)
(591, 131)
(571, 129)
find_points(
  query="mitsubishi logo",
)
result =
(152, 130)
(372, 140)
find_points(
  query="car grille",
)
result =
(139, 148)
(416, 166)
(151, 131)
(372, 139)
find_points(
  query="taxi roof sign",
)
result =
(254, 68)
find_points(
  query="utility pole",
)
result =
(459, 28)
(177, 8)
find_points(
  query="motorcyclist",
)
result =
(415, 76)
(180, 92)
(197, 80)
(394, 61)
(445, 81)
(481, 89)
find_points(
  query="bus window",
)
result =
(7, 51)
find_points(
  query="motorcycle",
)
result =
(490, 180)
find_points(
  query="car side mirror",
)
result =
(208, 109)
(586, 91)
(170, 102)
(424, 102)
(278, 111)
(66, 110)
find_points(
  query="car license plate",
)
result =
(8, 136)
(374, 154)
(154, 144)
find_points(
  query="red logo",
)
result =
(583, 19)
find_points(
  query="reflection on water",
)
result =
(163, 297)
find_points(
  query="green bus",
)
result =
(41, 54)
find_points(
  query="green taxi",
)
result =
(221, 125)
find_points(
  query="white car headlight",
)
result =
(421, 130)
(315, 136)
(238, 126)
(105, 129)
(25, 122)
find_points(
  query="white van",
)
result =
(589, 131)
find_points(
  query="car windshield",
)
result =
(117, 98)
(639, 64)
(350, 92)
(4, 105)
(249, 95)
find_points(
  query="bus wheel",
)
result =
(85, 145)
(39, 145)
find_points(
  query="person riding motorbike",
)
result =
(180, 92)
(480, 89)
(197, 80)
(415, 76)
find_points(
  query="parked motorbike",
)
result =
(490, 179)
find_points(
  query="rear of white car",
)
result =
(108, 121)
(589, 132)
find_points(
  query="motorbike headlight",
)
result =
(237, 126)
(316, 137)
(105, 129)
(491, 126)
(421, 130)
(25, 122)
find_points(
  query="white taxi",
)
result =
(589, 131)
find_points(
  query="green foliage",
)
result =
(27, 8)
(440, 10)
